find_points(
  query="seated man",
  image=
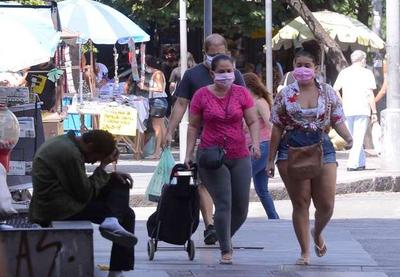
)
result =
(62, 191)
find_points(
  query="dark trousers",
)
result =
(113, 201)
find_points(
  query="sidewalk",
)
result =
(371, 179)
(358, 244)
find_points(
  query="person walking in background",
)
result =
(263, 101)
(380, 98)
(218, 110)
(301, 115)
(157, 101)
(193, 79)
(169, 64)
(175, 77)
(357, 84)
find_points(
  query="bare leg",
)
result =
(300, 196)
(323, 195)
(206, 205)
(158, 125)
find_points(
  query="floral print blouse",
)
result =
(287, 113)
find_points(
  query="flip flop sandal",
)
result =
(225, 261)
(320, 251)
(303, 261)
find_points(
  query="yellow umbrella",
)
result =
(347, 31)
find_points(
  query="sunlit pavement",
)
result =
(363, 239)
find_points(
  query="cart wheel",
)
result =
(191, 249)
(150, 249)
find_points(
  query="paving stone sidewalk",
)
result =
(363, 239)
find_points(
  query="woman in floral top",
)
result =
(300, 117)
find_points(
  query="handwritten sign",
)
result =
(119, 120)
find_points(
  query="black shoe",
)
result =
(356, 169)
(210, 236)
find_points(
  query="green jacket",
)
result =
(61, 187)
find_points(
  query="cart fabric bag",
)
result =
(177, 211)
(160, 176)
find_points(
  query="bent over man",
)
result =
(63, 191)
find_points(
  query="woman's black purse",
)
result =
(214, 157)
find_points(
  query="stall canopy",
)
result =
(25, 40)
(98, 22)
(347, 31)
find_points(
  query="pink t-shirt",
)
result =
(216, 126)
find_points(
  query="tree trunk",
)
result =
(377, 16)
(334, 53)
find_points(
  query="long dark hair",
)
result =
(153, 62)
(253, 82)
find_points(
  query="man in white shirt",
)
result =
(101, 74)
(357, 84)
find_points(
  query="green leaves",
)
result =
(229, 16)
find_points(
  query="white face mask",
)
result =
(209, 60)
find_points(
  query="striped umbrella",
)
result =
(347, 31)
(98, 22)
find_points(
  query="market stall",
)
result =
(97, 23)
(30, 36)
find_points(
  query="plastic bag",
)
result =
(149, 147)
(160, 176)
(6, 208)
(376, 133)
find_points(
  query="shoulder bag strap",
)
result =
(226, 112)
(328, 108)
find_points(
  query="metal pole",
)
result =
(207, 18)
(391, 116)
(183, 126)
(268, 45)
(80, 89)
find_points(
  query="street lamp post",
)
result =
(183, 126)
(391, 116)
(268, 45)
(207, 18)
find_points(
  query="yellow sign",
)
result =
(119, 120)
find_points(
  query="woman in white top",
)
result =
(157, 101)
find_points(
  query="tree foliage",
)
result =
(229, 17)
(239, 15)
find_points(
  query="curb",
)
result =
(377, 184)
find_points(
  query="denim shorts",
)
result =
(298, 138)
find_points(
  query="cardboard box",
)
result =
(52, 124)
(52, 129)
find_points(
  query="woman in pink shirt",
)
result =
(263, 102)
(218, 111)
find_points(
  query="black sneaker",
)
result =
(210, 236)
